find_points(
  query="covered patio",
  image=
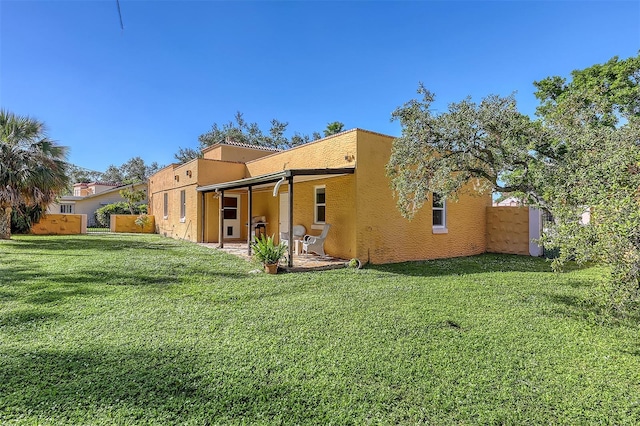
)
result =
(270, 182)
(300, 263)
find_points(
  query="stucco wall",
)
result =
(61, 224)
(224, 152)
(508, 230)
(188, 177)
(332, 152)
(210, 172)
(384, 236)
(339, 197)
(127, 223)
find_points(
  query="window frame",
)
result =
(64, 207)
(183, 205)
(438, 204)
(316, 204)
(227, 208)
(165, 205)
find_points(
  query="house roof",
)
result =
(276, 150)
(273, 177)
(98, 183)
(100, 194)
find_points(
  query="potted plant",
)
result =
(268, 253)
(354, 263)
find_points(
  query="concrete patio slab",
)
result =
(301, 262)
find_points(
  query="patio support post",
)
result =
(250, 203)
(204, 216)
(221, 235)
(290, 221)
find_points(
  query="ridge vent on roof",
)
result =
(98, 183)
(248, 145)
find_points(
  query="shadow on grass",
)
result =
(580, 308)
(23, 317)
(17, 276)
(85, 242)
(484, 263)
(44, 297)
(7, 296)
(166, 385)
(634, 352)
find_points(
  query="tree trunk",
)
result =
(5, 223)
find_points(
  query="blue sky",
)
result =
(180, 66)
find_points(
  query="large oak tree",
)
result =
(581, 152)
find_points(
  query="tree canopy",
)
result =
(333, 128)
(79, 174)
(133, 171)
(581, 152)
(32, 167)
(242, 131)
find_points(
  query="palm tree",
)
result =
(32, 167)
(333, 128)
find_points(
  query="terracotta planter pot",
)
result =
(271, 268)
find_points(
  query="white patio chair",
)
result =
(298, 234)
(315, 244)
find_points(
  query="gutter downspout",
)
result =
(277, 187)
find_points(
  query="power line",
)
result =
(120, 14)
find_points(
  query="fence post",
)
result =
(535, 232)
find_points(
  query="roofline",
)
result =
(273, 177)
(108, 191)
(97, 183)
(356, 129)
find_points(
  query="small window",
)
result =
(183, 205)
(439, 212)
(320, 205)
(66, 208)
(165, 202)
(230, 205)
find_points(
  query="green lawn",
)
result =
(108, 329)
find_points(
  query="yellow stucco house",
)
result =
(339, 180)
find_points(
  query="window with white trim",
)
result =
(439, 212)
(183, 205)
(320, 204)
(165, 205)
(66, 208)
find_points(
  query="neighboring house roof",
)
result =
(510, 202)
(100, 194)
(98, 183)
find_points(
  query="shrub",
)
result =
(23, 217)
(103, 214)
(142, 221)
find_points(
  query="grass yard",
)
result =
(112, 329)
